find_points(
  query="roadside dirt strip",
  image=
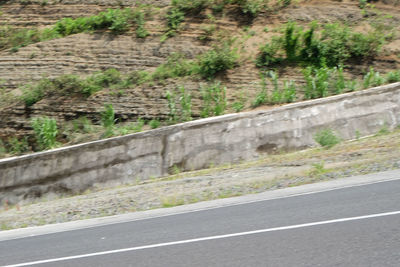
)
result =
(367, 155)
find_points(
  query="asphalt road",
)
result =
(353, 226)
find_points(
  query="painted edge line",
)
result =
(282, 228)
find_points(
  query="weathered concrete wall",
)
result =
(196, 144)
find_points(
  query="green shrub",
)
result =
(326, 138)
(332, 45)
(216, 60)
(214, 100)
(251, 7)
(154, 123)
(34, 93)
(46, 131)
(393, 76)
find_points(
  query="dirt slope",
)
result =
(85, 53)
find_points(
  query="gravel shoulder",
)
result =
(367, 155)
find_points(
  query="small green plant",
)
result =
(383, 130)
(18, 146)
(214, 100)
(154, 123)
(326, 138)
(262, 96)
(173, 113)
(373, 78)
(108, 119)
(340, 83)
(318, 169)
(317, 82)
(240, 103)
(289, 91)
(3, 149)
(357, 134)
(393, 76)
(185, 100)
(46, 131)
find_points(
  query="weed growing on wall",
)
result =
(46, 131)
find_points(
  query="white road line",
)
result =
(207, 238)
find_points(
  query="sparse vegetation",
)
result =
(214, 100)
(330, 44)
(326, 138)
(117, 21)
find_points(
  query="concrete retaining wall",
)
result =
(196, 144)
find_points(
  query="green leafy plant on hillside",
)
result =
(216, 60)
(180, 113)
(46, 131)
(330, 44)
(214, 100)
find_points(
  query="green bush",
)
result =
(326, 138)
(216, 60)
(393, 76)
(46, 131)
(154, 123)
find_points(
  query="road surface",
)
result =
(353, 225)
